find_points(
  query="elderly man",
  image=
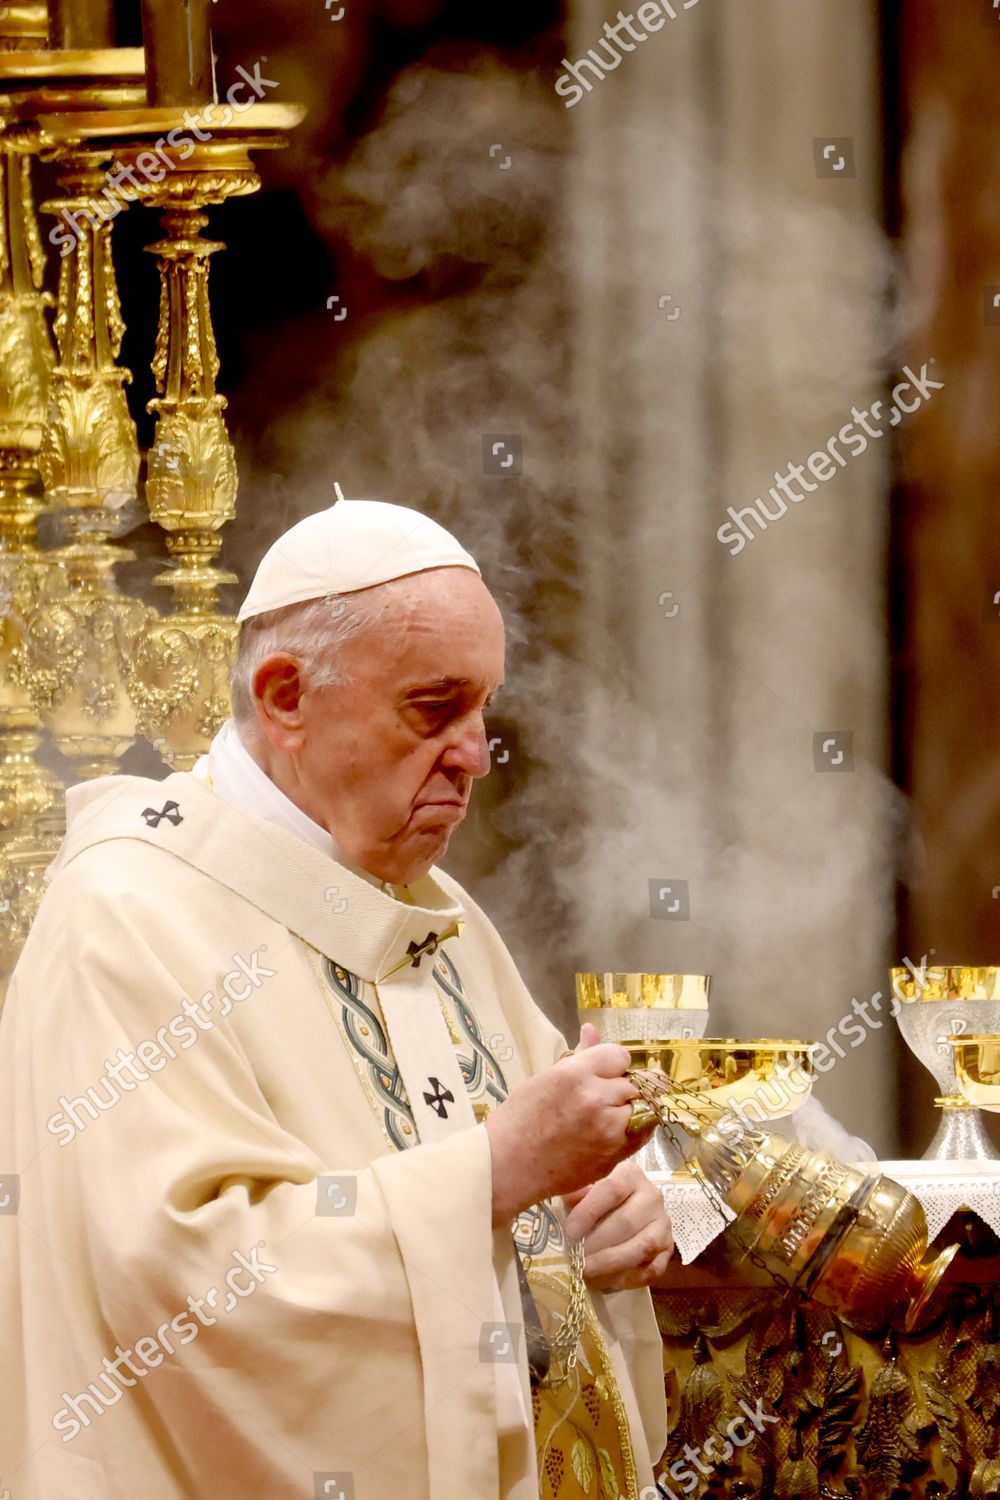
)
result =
(288, 1134)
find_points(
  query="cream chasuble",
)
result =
(246, 1259)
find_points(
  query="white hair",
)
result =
(314, 631)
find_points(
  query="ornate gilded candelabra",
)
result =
(176, 670)
(26, 359)
(89, 461)
(79, 657)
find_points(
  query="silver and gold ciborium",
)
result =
(933, 1004)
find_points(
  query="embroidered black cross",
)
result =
(170, 811)
(436, 1100)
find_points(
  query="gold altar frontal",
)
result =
(877, 1416)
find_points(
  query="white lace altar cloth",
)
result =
(945, 1187)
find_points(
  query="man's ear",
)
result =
(278, 690)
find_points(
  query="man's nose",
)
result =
(469, 752)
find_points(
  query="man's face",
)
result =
(386, 762)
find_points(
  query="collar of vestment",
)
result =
(354, 923)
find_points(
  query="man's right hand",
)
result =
(562, 1129)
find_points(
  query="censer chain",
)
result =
(564, 1346)
(656, 1094)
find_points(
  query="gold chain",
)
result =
(564, 1346)
(670, 1111)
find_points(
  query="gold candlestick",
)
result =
(27, 790)
(81, 624)
(90, 454)
(90, 465)
(23, 25)
(81, 25)
(73, 649)
(26, 357)
(178, 666)
(31, 803)
(178, 43)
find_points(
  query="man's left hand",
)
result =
(625, 1229)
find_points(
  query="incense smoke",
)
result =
(605, 786)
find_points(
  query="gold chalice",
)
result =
(977, 1066)
(637, 1007)
(755, 1080)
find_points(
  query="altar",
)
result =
(839, 1411)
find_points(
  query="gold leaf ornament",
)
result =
(584, 1468)
(608, 1476)
(798, 1480)
(985, 1482)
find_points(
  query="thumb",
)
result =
(589, 1037)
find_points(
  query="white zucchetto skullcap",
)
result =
(353, 545)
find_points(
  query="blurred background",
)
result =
(578, 327)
